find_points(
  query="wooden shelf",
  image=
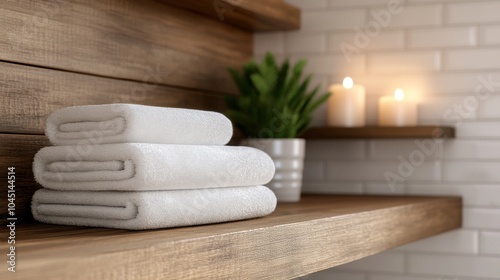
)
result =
(429, 131)
(255, 15)
(297, 239)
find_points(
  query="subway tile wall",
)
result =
(445, 54)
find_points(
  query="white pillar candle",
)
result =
(346, 105)
(397, 110)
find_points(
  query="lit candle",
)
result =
(397, 110)
(346, 105)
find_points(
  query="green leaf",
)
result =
(281, 80)
(273, 99)
(262, 85)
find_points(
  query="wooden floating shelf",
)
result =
(297, 239)
(255, 15)
(429, 131)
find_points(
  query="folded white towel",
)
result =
(155, 209)
(142, 167)
(129, 123)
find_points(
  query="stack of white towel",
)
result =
(141, 167)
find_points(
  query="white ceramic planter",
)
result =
(288, 156)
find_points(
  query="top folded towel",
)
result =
(129, 123)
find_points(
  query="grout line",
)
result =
(441, 60)
(479, 231)
(440, 151)
(406, 48)
(406, 39)
(285, 45)
(414, 27)
(324, 166)
(368, 148)
(478, 34)
(440, 254)
(364, 187)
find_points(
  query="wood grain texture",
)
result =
(18, 151)
(297, 239)
(123, 39)
(253, 15)
(30, 94)
(380, 132)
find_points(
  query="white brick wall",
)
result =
(442, 37)
(473, 12)
(476, 59)
(443, 53)
(421, 61)
(378, 263)
(490, 35)
(447, 265)
(481, 218)
(332, 19)
(297, 42)
(461, 241)
(412, 16)
(490, 243)
(477, 195)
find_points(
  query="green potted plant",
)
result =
(273, 109)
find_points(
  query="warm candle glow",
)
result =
(399, 94)
(346, 105)
(397, 110)
(347, 83)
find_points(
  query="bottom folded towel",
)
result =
(151, 209)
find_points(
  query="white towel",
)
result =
(143, 167)
(129, 123)
(155, 209)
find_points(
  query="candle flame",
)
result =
(348, 82)
(399, 94)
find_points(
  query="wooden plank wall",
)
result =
(255, 15)
(59, 53)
